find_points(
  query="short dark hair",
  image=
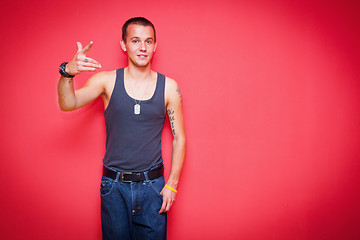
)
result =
(139, 21)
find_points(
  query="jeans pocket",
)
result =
(157, 185)
(106, 186)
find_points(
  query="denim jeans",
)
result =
(131, 210)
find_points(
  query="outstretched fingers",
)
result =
(87, 69)
(88, 47)
(90, 62)
(89, 65)
(81, 63)
(79, 45)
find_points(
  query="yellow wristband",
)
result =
(172, 189)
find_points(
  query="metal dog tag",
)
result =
(137, 109)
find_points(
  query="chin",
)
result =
(141, 64)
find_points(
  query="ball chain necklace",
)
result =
(137, 103)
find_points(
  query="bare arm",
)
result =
(69, 99)
(174, 111)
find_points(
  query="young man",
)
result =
(134, 196)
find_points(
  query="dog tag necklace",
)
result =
(137, 103)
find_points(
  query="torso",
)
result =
(133, 141)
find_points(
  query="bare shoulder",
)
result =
(170, 84)
(172, 90)
(171, 87)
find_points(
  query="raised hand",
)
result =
(81, 63)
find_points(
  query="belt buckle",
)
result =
(122, 176)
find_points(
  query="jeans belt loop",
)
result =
(146, 176)
(117, 177)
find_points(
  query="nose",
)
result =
(143, 46)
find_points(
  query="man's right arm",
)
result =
(69, 99)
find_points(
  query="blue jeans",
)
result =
(131, 210)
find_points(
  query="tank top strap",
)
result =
(160, 88)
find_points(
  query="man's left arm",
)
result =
(173, 103)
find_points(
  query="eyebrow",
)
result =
(139, 38)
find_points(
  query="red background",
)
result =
(271, 101)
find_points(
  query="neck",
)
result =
(138, 73)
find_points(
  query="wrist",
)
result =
(63, 72)
(172, 183)
(67, 70)
(171, 188)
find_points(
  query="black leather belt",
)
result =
(133, 176)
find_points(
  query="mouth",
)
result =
(142, 56)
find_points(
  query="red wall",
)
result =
(271, 99)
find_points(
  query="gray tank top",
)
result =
(133, 141)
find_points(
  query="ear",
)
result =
(123, 46)
(155, 46)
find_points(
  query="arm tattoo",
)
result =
(178, 91)
(172, 120)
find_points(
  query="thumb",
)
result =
(79, 45)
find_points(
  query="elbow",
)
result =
(66, 108)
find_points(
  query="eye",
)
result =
(148, 41)
(135, 41)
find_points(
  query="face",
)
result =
(140, 45)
